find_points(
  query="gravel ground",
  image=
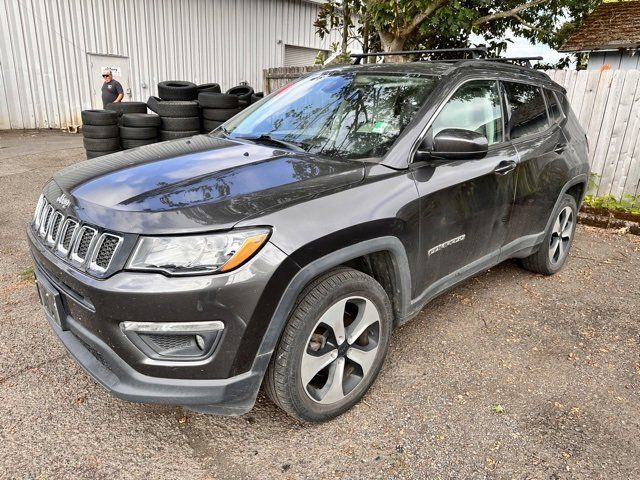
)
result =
(511, 375)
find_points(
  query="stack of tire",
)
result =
(127, 107)
(177, 108)
(256, 97)
(217, 108)
(244, 93)
(138, 129)
(100, 132)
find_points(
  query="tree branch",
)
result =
(508, 13)
(420, 18)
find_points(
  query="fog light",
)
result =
(174, 340)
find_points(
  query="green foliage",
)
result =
(499, 409)
(413, 24)
(627, 203)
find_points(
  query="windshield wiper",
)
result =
(269, 139)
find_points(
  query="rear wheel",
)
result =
(554, 250)
(333, 346)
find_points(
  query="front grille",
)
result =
(74, 242)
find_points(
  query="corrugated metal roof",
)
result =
(612, 25)
(45, 78)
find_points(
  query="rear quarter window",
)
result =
(527, 108)
(555, 111)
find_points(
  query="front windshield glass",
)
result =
(336, 114)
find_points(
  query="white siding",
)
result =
(44, 73)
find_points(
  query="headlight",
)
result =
(188, 255)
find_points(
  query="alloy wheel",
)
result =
(341, 350)
(561, 235)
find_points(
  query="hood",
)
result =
(195, 184)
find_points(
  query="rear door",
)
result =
(541, 172)
(464, 204)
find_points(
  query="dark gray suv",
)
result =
(283, 248)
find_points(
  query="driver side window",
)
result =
(475, 106)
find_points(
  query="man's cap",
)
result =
(106, 71)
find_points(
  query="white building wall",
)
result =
(44, 46)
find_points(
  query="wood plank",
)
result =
(588, 101)
(579, 91)
(595, 123)
(625, 164)
(619, 128)
(607, 126)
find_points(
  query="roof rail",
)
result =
(526, 61)
(475, 52)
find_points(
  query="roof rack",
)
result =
(475, 52)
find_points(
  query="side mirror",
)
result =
(456, 144)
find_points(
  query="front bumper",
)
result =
(225, 382)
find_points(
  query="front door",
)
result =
(120, 68)
(465, 204)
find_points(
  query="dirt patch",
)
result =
(560, 355)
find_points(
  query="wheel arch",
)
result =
(387, 259)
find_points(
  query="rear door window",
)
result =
(528, 110)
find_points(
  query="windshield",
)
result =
(336, 114)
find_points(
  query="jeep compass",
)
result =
(283, 248)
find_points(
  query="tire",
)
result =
(217, 100)
(140, 120)
(138, 133)
(548, 260)
(127, 144)
(255, 98)
(152, 103)
(177, 109)
(284, 377)
(210, 125)
(101, 144)
(219, 114)
(243, 93)
(94, 154)
(127, 107)
(177, 90)
(99, 117)
(179, 124)
(169, 135)
(209, 87)
(100, 131)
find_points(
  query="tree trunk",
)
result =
(392, 43)
(345, 27)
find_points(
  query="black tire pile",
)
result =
(138, 129)
(100, 132)
(177, 108)
(183, 109)
(217, 108)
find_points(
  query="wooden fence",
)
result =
(607, 105)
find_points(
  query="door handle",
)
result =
(560, 147)
(504, 167)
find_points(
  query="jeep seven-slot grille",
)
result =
(80, 244)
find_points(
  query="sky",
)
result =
(521, 47)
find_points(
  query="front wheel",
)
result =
(332, 348)
(554, 249)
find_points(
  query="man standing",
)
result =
(111, 89)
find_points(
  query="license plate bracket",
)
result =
(51, 301)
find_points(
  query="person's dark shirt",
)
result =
(110, 92)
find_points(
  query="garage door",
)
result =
(299, 56)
